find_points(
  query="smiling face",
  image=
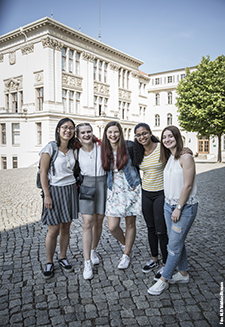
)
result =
(85, 134)
(113, 135)
(66, 131)
(169, 140)
(143, 136)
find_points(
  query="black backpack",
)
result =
(53, 157)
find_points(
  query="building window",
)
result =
(39, 134)
(169, 79)
(64, 94)
(100, 70)
(123, 110)
(100, 106)
(157, 99)
(123, 79)
(170, 98)
(169, 119)
(140, 86)
(4, 162)
(128, 80)
(3, 134)
(182, 76)
(71, 61)
(21, 99)
(105, 105)
(119, 77)
(157, 120)
(157, 81)
(77, 102)
(77, 63)
(71, 96)
(105, 72)
(7, 101)
(64, 59)
(14, 162)
(95, 104)
(15, 133)
(95, 69)
(14, 102)
(40, 98)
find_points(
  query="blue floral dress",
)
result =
(122, 201)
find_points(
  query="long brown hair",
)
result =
(107, 152)
(164, 152)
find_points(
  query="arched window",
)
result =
(157, 98)
(157, 120)
(170, 98)
(169, 119)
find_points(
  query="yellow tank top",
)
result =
(152, 179)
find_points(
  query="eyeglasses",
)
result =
(65, 128)
(137, 136)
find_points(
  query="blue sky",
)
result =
(165, 34)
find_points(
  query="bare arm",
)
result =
(188, 165)
(45, 162)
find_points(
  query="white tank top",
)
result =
(174, 182)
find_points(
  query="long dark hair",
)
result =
(138, 148)
(164, 152)
(107, 152)
(57, 136)
(94, 138)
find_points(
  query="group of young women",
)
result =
(112, 167)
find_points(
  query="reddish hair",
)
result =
(107, 152)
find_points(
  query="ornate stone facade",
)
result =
(1, 57)
(114, 66)
(12, 58)
(28, 48)
(124, 95)
(101, 89)
(88, 56)
(71, 81)
(13, 84)
(52, 43)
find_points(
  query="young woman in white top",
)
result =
(180, 209)
(89, 157)
(59, 194)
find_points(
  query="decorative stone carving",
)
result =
(38, 77)
(140, 76)
(88, 56)
(12, 58)
(13, 84)
(114, 66)
(101, 89)
(52, 43)
(1, 57)
(124, 95)
(135, 74)
(71, 81)
(28, 48)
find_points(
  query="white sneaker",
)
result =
(158, 287)
(87, 273)
(94, 257)
(124, 262)
(178, 278)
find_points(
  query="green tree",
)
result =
(201, 99)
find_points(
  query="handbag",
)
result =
(88, 192)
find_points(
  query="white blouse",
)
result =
(87, 162)
(64, 164)
(174, 183)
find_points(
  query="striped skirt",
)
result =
(64, 205)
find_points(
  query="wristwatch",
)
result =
(179, 206)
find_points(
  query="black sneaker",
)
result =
(150, 265)
(65, 265)
(49, 271)
(159, 273)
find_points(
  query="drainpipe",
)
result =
(22, 32)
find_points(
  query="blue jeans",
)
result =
(177, 256)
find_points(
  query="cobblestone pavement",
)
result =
(113, 297)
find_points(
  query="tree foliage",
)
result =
(201, 99)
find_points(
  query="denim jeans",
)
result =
(177, 232)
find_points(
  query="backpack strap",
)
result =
(54, 155)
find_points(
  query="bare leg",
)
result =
(130, 233)
(115, 229)
(88, 221)
(51, 241)
(64, 238)
(97, 230)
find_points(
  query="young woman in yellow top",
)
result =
(146, 154)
